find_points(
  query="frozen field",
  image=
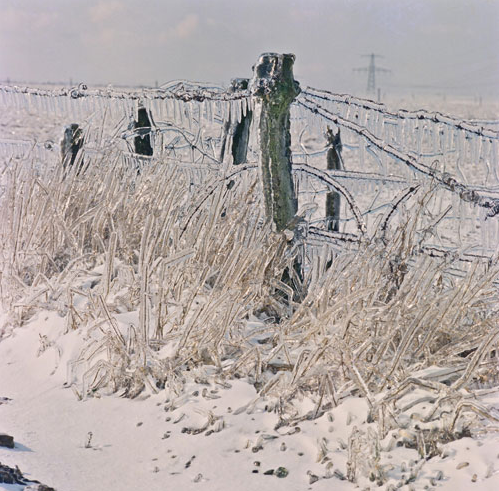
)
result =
(149, 341)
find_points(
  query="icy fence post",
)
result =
(236, 131)
(333, 163)
(142, 141)
(241, 132)
(273, 84)
(71, 143)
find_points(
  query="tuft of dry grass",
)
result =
(191, 268)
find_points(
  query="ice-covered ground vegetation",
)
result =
(151, 340)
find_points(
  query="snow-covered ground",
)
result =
(148, 443)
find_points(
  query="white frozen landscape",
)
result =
(148, 340)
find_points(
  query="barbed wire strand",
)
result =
(434, 117)
(181, 93)
(465, 192)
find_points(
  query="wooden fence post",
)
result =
(274, 85)
(240, 137)
(237, 132)
(142, 141)
(71, 143)
(333, 157)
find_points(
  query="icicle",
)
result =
(52, 106)
(188, 112)
(361, 154)
(232, 112)
(79, 109)
(127, 111)
(483, 224)
(494, 150)
(418, 133)
(238, 110)
(64, 107)
(224, 111)
(15, 100)
(244, 108)
(123, 105)
(61, 104)
(11, 99)
(175, 111)
(110, 104)
(167, 110)
(435, 140)
(203, 112)
(155, 109)
(71, 108)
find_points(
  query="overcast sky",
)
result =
(441, 46)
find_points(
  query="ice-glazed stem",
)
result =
(274, 85)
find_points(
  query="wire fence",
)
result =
(385, 156)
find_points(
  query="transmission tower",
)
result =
(371, 72)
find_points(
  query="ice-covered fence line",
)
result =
(320, 236)
(177, 92)
(465, 192)
(181, 118)
(434, 117)
(186, 103)
(333, 184)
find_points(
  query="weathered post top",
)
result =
(273, 83)
(273, 78)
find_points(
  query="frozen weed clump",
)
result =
(189, 268)
(168, 285)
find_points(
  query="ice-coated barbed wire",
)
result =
(434, 117)
(362, 176)
(211, 189)
(334, 185)
(466, 193)
(326, 237)
(170, 126)
(406, 193)
(180, 93)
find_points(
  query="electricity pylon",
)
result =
(371, 72)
